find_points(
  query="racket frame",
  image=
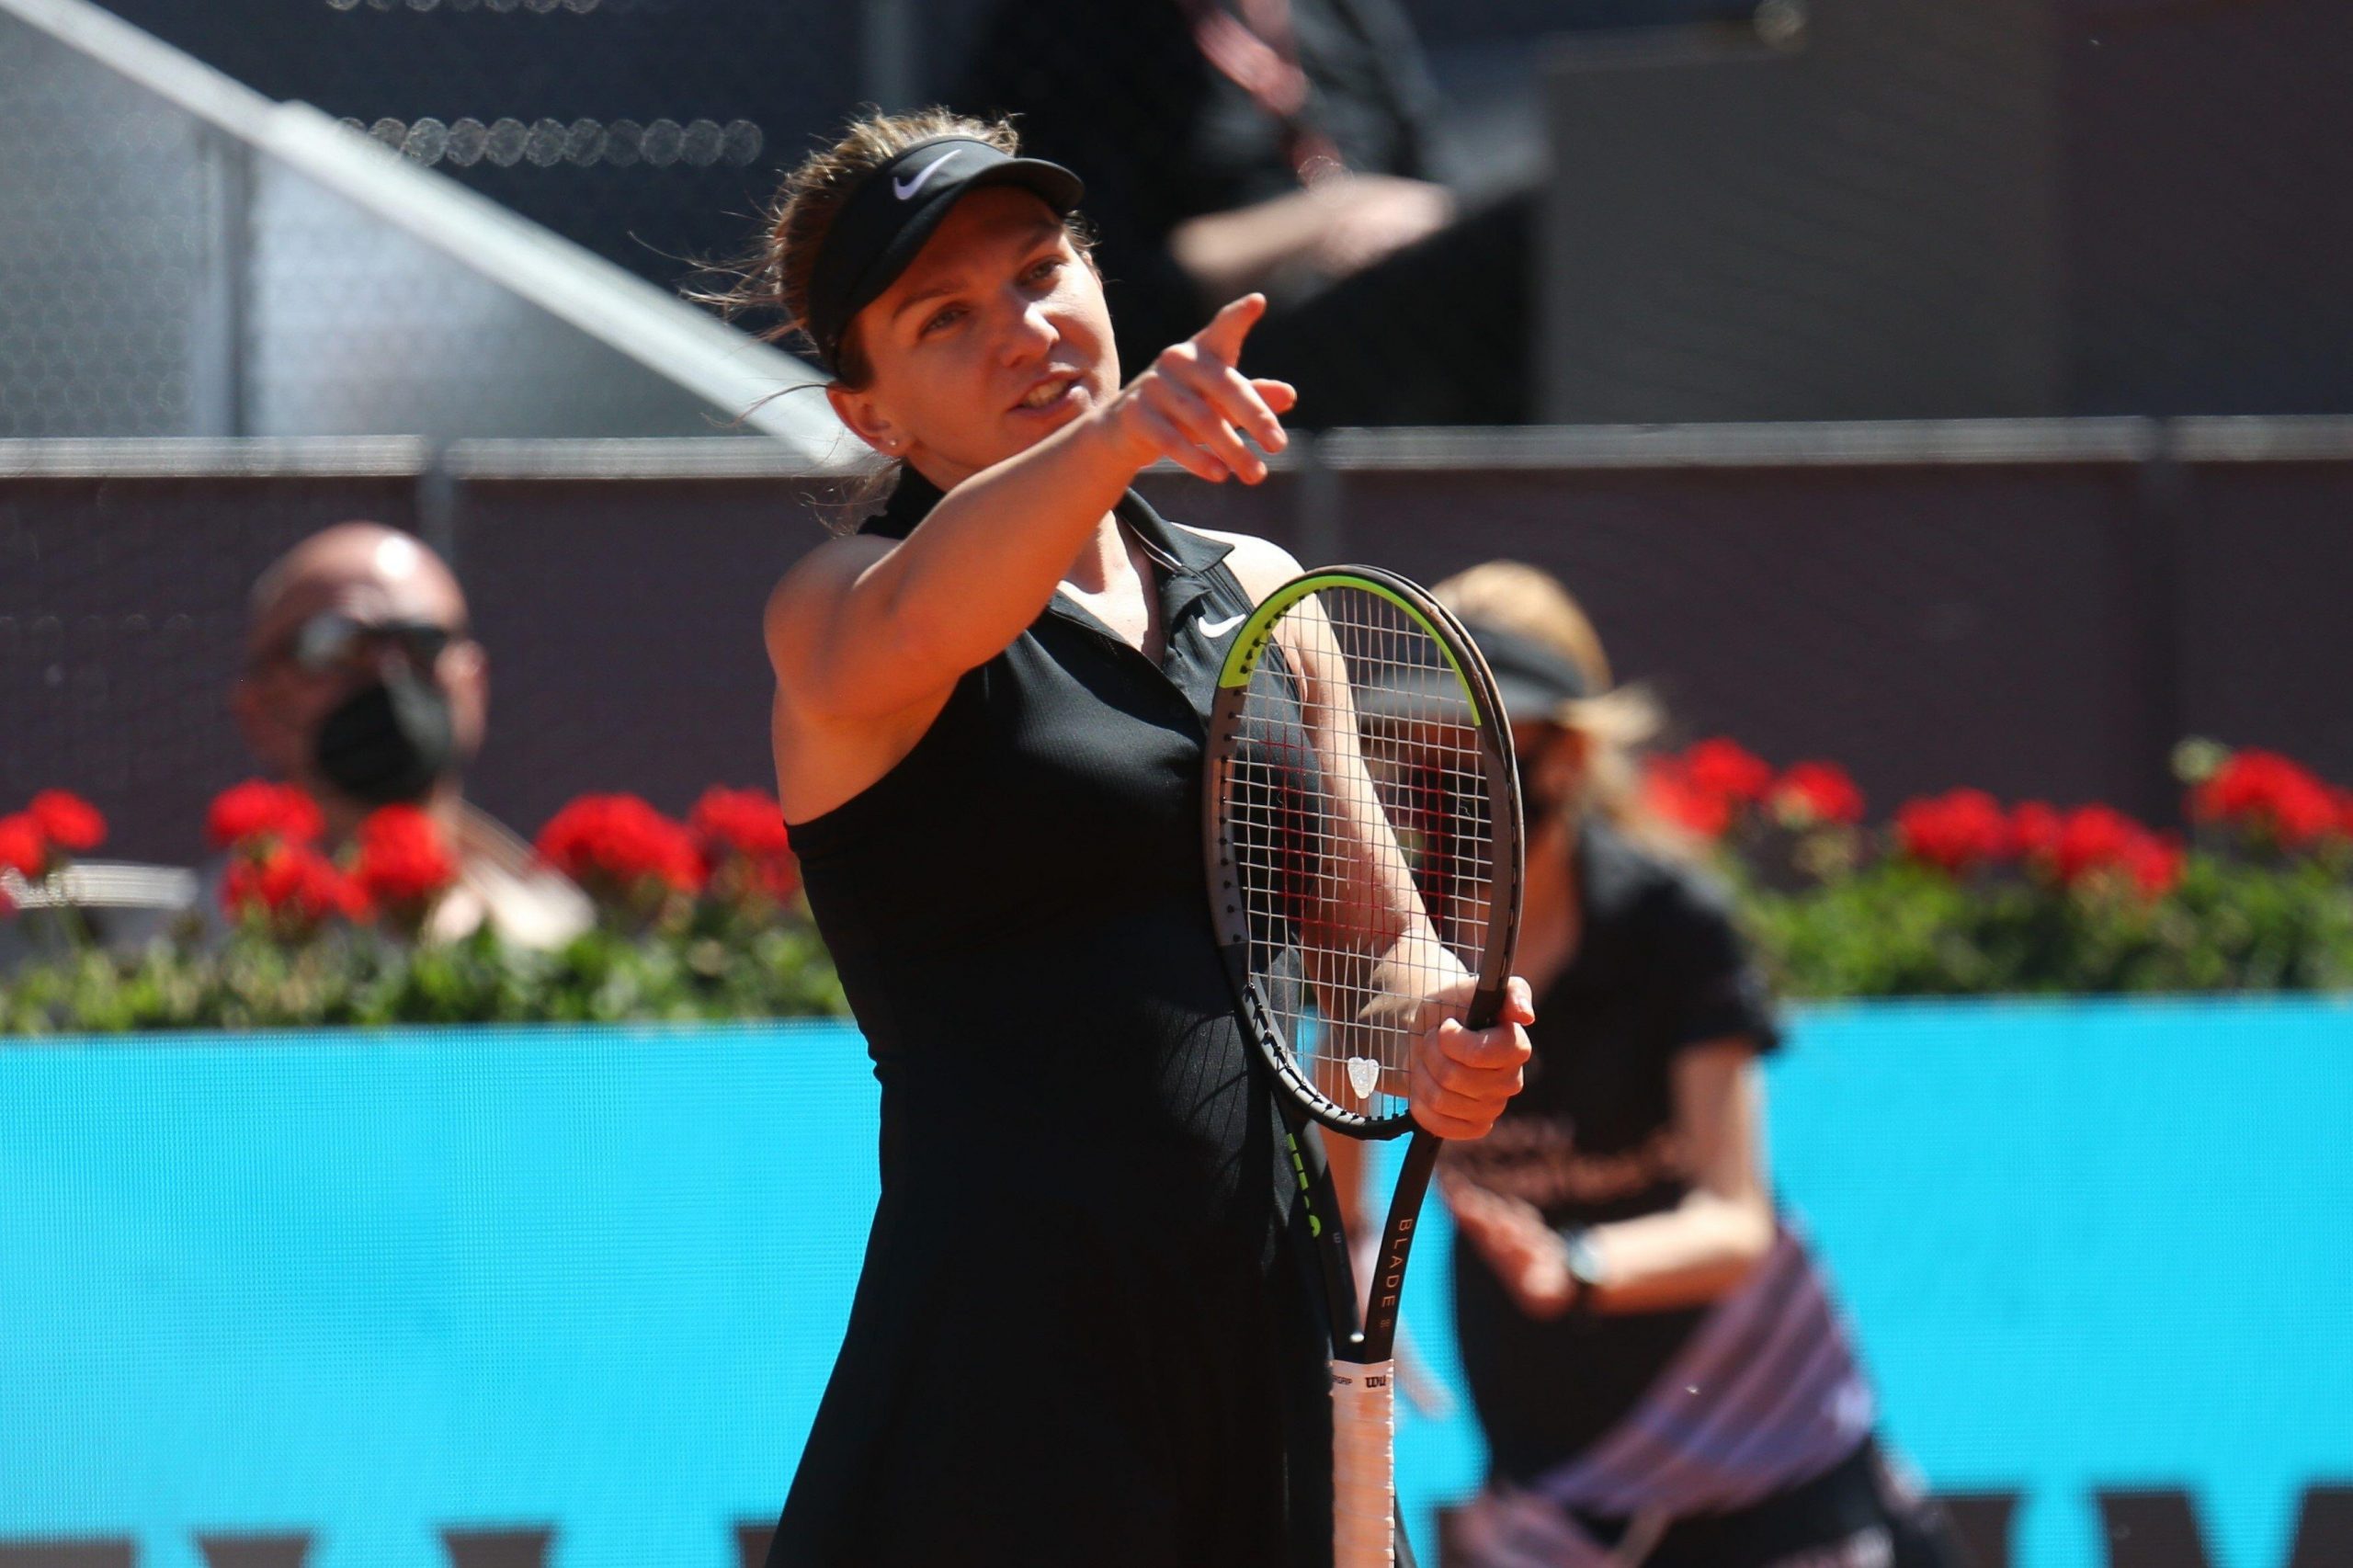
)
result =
(1227, 912)
(1364, 1327)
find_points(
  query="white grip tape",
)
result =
(1364, 1486)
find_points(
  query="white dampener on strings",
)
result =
(1364, 1485)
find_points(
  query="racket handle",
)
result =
(1486, 1006)
(1364, 1480)
(1386, 1297)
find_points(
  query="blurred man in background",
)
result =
(362, 685)
(1287, 146)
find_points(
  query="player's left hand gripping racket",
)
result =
(1363, 833)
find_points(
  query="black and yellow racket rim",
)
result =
(1356, 749)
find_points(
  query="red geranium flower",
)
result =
(67, 821)
(2269, 793)
(748, 822)
(1818, 792)
(745, 827)
(294, 885)
(1957, 830)
(621, 840)
(2035, 828)
(24, 849)
(259, 809)
(1671, 796)
(402, 857)
(1725, 767)
(2155, 863)
(2090, 841)
(2093, 838)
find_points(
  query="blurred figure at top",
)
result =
(1287, 146)
(363, 684)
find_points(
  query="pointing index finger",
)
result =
(1222, 339)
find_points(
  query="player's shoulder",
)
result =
(1260, 565)
(803, 595)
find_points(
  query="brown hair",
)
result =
(795, 225)
(1614, 722)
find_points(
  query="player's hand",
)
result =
(1461, 1077)
(1528, 1255)
(1191, 405)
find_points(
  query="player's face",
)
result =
(995, 336)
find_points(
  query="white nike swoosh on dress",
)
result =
(1220, 627)
(905, 189)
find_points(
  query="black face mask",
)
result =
(389, 742)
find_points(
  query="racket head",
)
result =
(1356, 744)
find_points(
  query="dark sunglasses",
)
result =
(332, 640)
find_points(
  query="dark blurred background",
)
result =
(1953, 388)
(1794, 209)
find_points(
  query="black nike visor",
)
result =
(887, 216)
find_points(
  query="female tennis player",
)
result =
(1660, 1373)
(1084, 1333)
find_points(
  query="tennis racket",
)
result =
(1361, 821)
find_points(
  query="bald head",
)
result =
(373, 577)
(372, 573)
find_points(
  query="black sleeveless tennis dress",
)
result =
(1082, 1334)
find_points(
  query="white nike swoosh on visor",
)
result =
(1220, 627)
(905, 187)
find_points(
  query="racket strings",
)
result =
(1358, 823)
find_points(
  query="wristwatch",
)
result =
(1584, 1262)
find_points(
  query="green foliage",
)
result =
(715, 962)
(1900, 928)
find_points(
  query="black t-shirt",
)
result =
(1121, 94)
(1590, 1141)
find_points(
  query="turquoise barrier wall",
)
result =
(393, 1295)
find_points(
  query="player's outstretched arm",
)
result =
(866, 628)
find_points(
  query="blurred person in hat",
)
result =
(1654, 1354)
